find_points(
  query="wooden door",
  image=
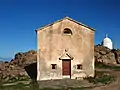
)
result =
(66, 67)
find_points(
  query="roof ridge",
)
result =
(66, 17)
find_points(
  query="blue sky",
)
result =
(20, 18)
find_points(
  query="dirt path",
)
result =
(112, 86)
(15, 83)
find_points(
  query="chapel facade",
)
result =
(65, 49)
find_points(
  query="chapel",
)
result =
(65, 49)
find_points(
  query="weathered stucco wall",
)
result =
(52, 43)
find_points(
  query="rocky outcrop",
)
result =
(16, 67)
(24, 59)
(105, 55)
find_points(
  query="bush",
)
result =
(105, 66)
(101, 77)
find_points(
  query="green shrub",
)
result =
(101, 77)
(105, 66)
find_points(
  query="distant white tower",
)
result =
(107, 42)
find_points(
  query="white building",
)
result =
(107, 42)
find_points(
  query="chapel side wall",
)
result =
(38, 70)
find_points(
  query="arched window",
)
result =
(67, 31)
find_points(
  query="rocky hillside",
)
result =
(16, 67)
(24, 59)
(105, 55)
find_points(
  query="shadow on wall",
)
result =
(32, 71)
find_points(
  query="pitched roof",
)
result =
(68, 19)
